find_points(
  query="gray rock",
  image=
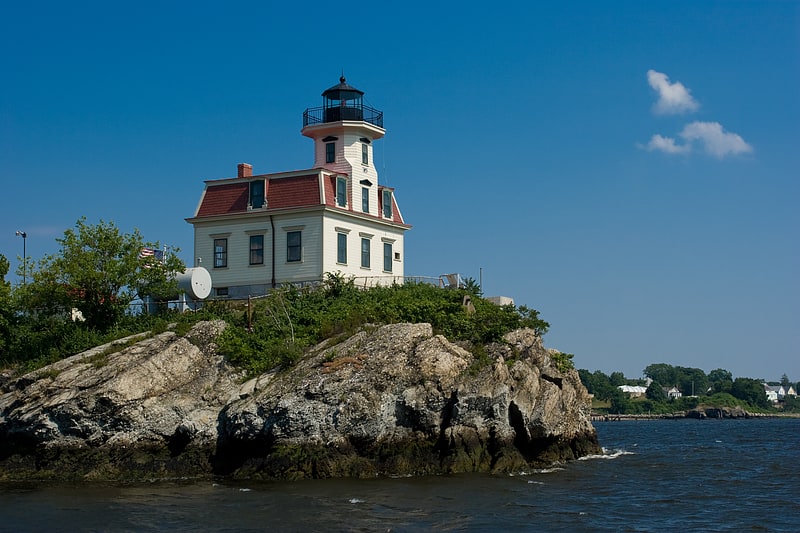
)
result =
(395, 399)
(703, 412)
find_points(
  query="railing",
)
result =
(320, 115)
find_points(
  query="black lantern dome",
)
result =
(343, 102)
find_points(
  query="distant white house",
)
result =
(772, 395)
(672, 392)
(776, 393)
(634, 391)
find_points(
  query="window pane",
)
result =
(330, 152)
(341, 192)
(387, 257)
(220, 253)
(256, 249)
(364, 154)
(365, 199)
(341, 249)
(257, 194)
(365, 253)
(387, 204)
(294, 248)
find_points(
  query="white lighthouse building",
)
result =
(257, 232)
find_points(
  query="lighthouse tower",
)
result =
(344, 130)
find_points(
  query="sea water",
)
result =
(709, 475)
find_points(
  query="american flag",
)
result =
(151, 252)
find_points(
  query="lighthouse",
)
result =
(257, 232)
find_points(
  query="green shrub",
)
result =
(563, 361)
(276, 329)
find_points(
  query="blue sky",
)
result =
(629, 169)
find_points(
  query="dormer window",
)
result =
(341, 192)
(256, 194)
(387, 204)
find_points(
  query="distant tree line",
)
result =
(718, 387)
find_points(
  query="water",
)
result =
(710, 475)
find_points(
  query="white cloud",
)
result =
(666, 145)
(673, 98)
(716, 141)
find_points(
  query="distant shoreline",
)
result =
(683, 415)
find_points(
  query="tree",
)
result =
(721, 380)
(751, 391)
(620, 403)
(663, 373)
(472, 287)
(655, 392)
(691, 381)
(785, 381)
(791, 404)
(597, 383)
(98, 271)
(603, 389)
(6, 307)
(617, 378)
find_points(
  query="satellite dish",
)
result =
(195, 282)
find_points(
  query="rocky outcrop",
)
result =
(704, 411)
(394, 399)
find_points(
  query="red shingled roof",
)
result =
(224, 198)
(230, 196)
(300, 191)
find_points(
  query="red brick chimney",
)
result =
(245, 170)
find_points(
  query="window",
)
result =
(220, 253)
(365, 199)
(294, 246)
(257, 194)
(222, 291)
(365, 252)
(387, 204)
(341, 192)
(330, 152)
(341, 248)
(387, 257)
(364, 154)
(256, 249)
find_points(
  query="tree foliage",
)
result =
(720, 380)
(601, 385)
(690, 381)
(6, 307)
(718, 388)
(98, 270)
(662, 372)
(655, 392)
(751, 391)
